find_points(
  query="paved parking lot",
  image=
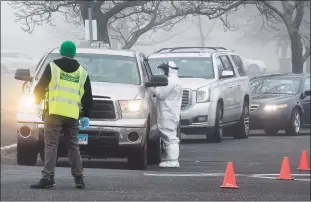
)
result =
(257, 162)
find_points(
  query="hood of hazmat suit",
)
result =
(169, 100)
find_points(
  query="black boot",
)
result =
(44, 183)
(79, 182)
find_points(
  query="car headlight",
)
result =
(203, 94)
(131, 108)
(274, 107)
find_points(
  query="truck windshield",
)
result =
(189, 67)
(103, 68)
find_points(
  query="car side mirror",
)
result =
(156, 81)
(226, 74)
(307, 93)
(23, 75)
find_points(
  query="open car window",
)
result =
(189, 67)
(103, 68)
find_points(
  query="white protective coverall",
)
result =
(168, 101)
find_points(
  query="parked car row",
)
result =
(217, 99)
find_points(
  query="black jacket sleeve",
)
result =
(43, 83)
(87, 98)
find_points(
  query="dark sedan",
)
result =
(280, 102)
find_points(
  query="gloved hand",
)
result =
(84, 122)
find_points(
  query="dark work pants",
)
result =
(53, 125)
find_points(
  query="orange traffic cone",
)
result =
(285, 170)
(229, 179)
(304, 163)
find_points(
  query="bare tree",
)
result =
(142, 16)
(200, 26)
(294, 16)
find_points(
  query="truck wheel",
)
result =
(271, 131)
(26, 155)
(138, 159)
(179, 132)
(242, 129)
(294, 124)
(154, 152)
(218, 132)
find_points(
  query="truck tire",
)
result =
(154, 152)
(26, 155)
(242, 129)
(294, 124)
(138, 159)
(218, 132)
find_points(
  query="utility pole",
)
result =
(90, 12)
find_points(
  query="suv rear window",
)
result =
(189, 67)
(104, 68)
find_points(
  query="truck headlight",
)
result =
(274, 107)
(27, 104)
(203, 94)
(27, 100)
(131, 108)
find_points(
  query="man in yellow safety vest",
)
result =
(69, 89)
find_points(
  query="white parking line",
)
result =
(8, 147)
(261, 176)
(184, 174)
(266, 176)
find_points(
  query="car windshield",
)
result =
(189, 67)
(275, 85)
(104, 68)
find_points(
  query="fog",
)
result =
(186, 34)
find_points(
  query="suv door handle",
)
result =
(239, 84)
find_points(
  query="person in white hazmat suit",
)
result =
(168, 99)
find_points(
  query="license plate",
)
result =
(82, 139)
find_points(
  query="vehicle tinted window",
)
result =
(189, 67)
(275, 85)
(307, 84)
(239, 64)
(104, 68)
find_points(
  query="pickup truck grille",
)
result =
(254, 107)
(102, 109)
(185, 99)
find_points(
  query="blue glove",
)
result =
(84, 121)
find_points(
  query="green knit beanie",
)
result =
(68, 48)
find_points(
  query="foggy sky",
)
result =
(46, 37)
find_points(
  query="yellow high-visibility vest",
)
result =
(66, 91)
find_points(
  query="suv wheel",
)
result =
(295, 123)
(138, 159)
(26, 155)
(242, 129)
(218, 133)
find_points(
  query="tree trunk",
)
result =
(296, 49)
(202, 41)
(102, 26)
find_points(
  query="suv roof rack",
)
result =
(185, 48)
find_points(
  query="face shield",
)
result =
(160, 71)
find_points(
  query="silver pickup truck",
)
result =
(123, 121)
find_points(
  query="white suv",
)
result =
(216, 97)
